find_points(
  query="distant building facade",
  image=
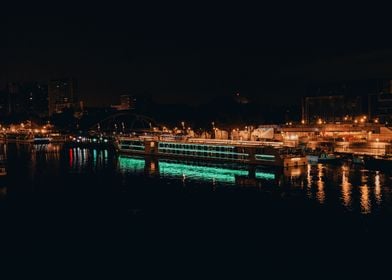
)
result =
(380, 103)
(29, 98)
(36, 98)
(62, 95)
(331, 108)
(371, 97)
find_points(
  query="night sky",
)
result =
(190, 53)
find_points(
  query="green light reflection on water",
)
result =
(200, 173)
(130, 164)
(190, 171)
(265, 175)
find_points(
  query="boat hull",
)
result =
(212, 153)
(378, 164)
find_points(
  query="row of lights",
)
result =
(321, 121)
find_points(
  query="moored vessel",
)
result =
(378, 162)
(249, 152)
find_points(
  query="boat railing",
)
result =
(205, 141)
(235, 142)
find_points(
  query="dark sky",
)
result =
(190, 53)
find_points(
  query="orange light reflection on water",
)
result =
(377, 188)
(366, 205)
(320, 185)
(346, 187)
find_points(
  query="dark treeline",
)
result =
(225, 113)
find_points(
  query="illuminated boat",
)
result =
(27, 138)
(357, 159)
(323, 158)
(249, 152)
(40, 139)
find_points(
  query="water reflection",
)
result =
(377, 188)
(199, 173)
(320, 185)
(366, 204)
(309, 182)
(192, 171)
(347, 187)
(352, 188)
(3, 192)
(84, 160)
(131, 165)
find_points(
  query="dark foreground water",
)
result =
(57, 193)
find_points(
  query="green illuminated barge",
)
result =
(247, 152)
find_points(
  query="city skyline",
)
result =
(188, 59)
(256, 133)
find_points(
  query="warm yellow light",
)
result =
(303, 121)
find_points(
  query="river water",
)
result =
(51, 190)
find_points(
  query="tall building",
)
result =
(380, 103)
(29, 98)
(331, 101)
(3, 103)
(332, 108)
(35, 98)
(14, 98)
(62, 95)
